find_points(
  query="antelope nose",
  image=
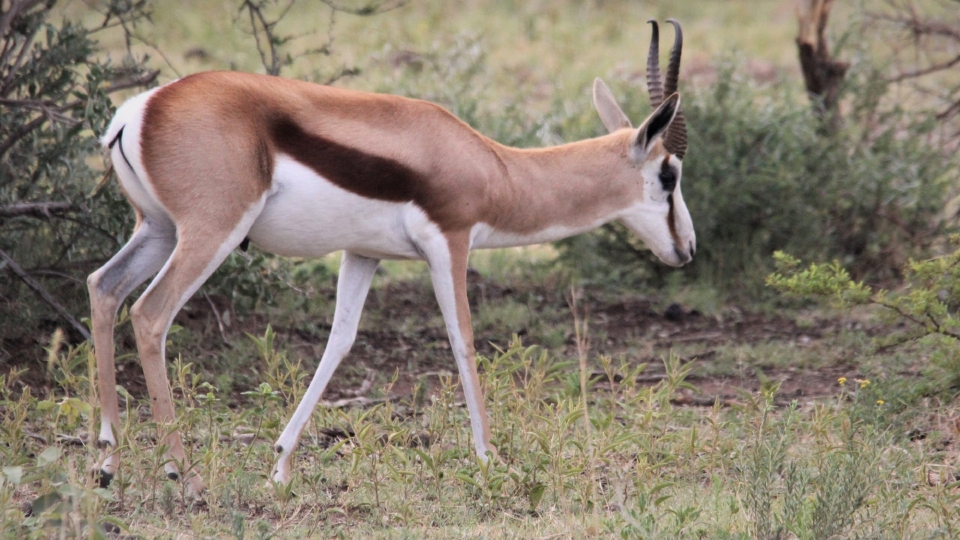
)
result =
(693, 248)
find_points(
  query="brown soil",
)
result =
(402, 332)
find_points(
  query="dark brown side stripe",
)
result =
(354, 170)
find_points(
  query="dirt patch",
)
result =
(402, 334)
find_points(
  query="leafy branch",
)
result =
(20, 23)
(54, 99)
(924, 304)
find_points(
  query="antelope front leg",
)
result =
(447, 256)
(353, 283)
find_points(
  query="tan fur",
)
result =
(205, 137)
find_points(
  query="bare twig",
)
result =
(61, 275)
(264, 34)
(917, 73)
(359, 401)
(931, 43)
(373, 8)
(39, 210)
(134, 82)
(952, 110)
(364, 386)
(270, 42)
(32, 283)
(344, 72)
(150, 43)
(216, 315)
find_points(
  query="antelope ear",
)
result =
(657, 123)
(610, 113)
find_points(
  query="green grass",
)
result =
(528, 42)
(846, 466)
(542, 51)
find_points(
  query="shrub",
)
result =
(55, 102)
(54, 225)
(923, 310)
(762, 176)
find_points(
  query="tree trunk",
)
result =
(822, 75)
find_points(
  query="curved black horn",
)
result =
(676, 140)
(673, 69)
(653, 67)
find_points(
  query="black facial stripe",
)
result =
(668, 176)
(672, 221)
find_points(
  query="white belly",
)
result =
(309, 216)
(484, 236)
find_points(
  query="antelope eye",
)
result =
(668, 179)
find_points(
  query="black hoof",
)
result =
(278, 449)
(173, 475)
(104, 478)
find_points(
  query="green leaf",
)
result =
(464, 477)
(48, 456)
(424, 456)
(45, 405)
(45, 502)
(13, 474)
(104, 494)
(535, 495)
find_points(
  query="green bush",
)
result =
(923, 311)
(55, 102)
(761, 175)
(54, 224)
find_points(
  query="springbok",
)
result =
(217, 159)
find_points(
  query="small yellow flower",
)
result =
(864, 383)
(880, 402)
(842, 381)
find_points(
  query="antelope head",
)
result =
(654, 158)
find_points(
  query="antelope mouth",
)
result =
(683, 257)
